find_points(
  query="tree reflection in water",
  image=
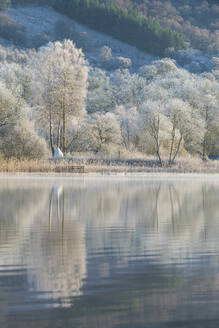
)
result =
(51, 247)
(118, 251)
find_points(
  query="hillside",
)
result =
(31, 27)
(65, 85)
(126, 25)
(42, 25)
(197, 20)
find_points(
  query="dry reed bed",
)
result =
(106, 165)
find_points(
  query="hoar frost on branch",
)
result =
(105, 132)
(9, 107)
(160, 110)
(17, 135)
(59, 88)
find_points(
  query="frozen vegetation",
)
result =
(44, 24)
(101, 97)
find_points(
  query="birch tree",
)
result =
(128, 119)
(186, 127)
(59, 88)
(151, 119)
(210, 116)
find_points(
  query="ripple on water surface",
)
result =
(109, 253)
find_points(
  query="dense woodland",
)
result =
(52, 96)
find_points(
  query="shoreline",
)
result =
(149, 175)
(107, 167)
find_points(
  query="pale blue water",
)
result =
(109, 252)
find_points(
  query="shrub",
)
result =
(117, 63)
(105, 53)
(21, 141)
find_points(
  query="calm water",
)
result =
(109, 252)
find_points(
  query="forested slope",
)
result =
(126, 25)
(197, 20)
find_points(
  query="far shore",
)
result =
(107, 166)
(70, 179)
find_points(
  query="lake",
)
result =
(100, 252)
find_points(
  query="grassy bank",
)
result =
(89, 165)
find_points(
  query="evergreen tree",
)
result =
(123, 24)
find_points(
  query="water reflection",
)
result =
(126, 252)
(39, 232)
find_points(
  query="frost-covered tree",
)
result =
(166, 127)
(17, 79)
(129, 89)
(128, 119)
(182, 97)
(17, 135)
(14, 55)
(119, 88)
(75, 134)
(210, 116)
(165, 65)
(59, 87)
(191, 89)
(21, 141)
(9, 107)
(105, 132)
(186, 127)
(115, 63)
(158, 67)
(153, 121)
(96, 78)
(100, 93)
(105, 53)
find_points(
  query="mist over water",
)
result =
(109, 252)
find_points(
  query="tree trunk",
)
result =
(172, 143)
(177, 150)
(64, 132)
(50, 134)
(204, 149)
(58, 135)
(157, 131)
(158, 152)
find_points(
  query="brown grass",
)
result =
(105, 166)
